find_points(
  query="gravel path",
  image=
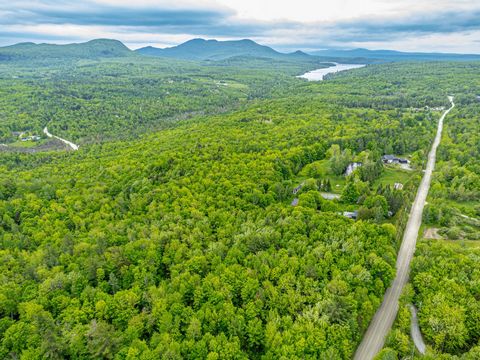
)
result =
(69, 143)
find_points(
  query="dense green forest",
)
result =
(170, 233)
(97, 100)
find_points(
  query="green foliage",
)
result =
(181, 243)
(374, 207)
(445, 279)
(350, 193)
(339, 159)
(387, 354)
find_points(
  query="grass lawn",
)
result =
(392, 175)
(26, 144)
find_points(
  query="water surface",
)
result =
(318, 75)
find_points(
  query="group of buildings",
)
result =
(386, 159)
(20, 134)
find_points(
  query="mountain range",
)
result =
(213, 50)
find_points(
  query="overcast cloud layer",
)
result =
(421, 25)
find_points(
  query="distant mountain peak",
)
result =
(104, 41)
(196, 40)
(201, 49)
(300, 52)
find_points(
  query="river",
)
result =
(318, 75)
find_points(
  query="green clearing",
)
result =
(392, 175)
(27, 144)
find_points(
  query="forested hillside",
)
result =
(181, 242)
(88, 100)
(46, 53)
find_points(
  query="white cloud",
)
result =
(460, 42)
(419, 25)
(305, 10)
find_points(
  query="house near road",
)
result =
(392, 159)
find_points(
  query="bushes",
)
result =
(445, 281)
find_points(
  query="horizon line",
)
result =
(306, 50)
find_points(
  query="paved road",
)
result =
(69, 143)
(374, 337)
(415, 331)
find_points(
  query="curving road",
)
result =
(415, 331)
(69, 143)
(378, 329)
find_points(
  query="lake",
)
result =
(317, 75)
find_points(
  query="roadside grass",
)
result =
(474, 244)
(465, 207)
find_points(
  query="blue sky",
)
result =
(410, 25)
